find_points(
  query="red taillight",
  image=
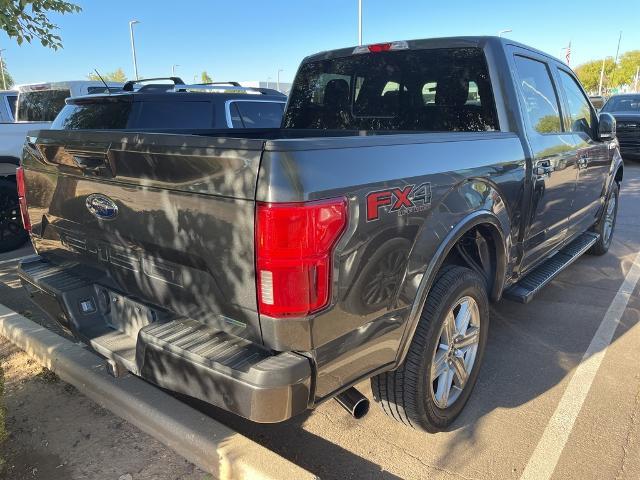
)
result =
(294, 243)
(22, 200)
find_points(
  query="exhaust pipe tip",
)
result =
(353, 402)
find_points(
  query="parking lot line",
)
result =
(547, 453)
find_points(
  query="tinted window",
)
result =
(41, 106)
(93, 116)
(173, 115)
(623, 104)
(412, 90)
(538, 95)
(247, 114)
(13, 101)
(579, 107)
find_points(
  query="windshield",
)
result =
(623, 104)
(41, 106)
(411, 90)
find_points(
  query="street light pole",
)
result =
(601, 77)
(4, 83)
(501, 32)
(635, 84)
(133, 47)
(278, 84)
(173, 69)
(615, 62)
(359, 22)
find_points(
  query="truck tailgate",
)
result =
(166, 219)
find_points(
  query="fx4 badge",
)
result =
(404, 200)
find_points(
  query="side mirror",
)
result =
(606, 126)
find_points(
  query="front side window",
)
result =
(538, 95)
(579, 108)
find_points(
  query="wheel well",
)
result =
(477, 249)
(619, 173)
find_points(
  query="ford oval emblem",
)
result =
(101, 206)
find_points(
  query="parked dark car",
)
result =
(597, 101)
(268, 270)
(626, 110)
(145, 106)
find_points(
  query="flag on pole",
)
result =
(568, 49)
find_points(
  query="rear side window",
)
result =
(248, 114)
(538, 95)
(173, 115)
(93, 116)
(41, 106)
(579, 107)
(412, 90)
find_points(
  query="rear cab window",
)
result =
(439, 89)
(41, 105)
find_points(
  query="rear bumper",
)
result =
(173, 352)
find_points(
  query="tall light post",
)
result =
(173, 69)
(615, 62)
(601, 76)
(4, 83)
(359, 22)
(133, 47)
(502, 32)
(278, 80)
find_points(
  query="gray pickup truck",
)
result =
(266, 271)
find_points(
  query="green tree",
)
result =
(589, 73)
(8, 79)
(26, 20)
(115, 76)
(625, 72)
(206, 78)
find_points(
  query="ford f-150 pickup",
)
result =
(266, 271)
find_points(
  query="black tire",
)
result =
(12, 234)
(604, 242)
(405, 394)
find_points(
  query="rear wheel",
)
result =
(430, 388)
(607, 223)
(12, 234)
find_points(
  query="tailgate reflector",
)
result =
(22, 200)
(294, 245)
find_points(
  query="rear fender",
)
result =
(470, 204)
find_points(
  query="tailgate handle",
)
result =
(90, 163)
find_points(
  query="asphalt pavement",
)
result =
(558, 395)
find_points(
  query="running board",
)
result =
(532, 283)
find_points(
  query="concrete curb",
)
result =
(200, 439)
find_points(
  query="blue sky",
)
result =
(251, 40)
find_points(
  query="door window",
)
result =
(579, 108)
(539, 96)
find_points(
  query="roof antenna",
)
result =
(105, 83)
